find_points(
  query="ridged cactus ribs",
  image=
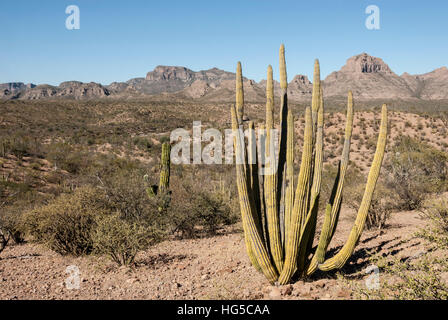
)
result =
(279, 221)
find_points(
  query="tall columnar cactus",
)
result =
(280, 222)
(164, 180)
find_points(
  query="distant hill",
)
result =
(370, 78)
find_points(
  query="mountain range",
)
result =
(369, 78)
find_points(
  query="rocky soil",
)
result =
(207, 268)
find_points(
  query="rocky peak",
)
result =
(170, 73)
(364, 63)
(14, 86)
(301, 80)
(440, 71)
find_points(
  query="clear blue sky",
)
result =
(119, 40)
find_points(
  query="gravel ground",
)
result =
(208, 268)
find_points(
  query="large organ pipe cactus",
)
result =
(280, 222)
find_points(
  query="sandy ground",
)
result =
(207, 268)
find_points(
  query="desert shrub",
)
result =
(142, 143)
(203, 211)
(66, 157)
(66, 223)
(417, 278)
(415, 170)
(421, 276)
(14, 200)
(382, 205)
(122, 239)
(383, 201)
(126, 195)
(436, 210)
(11, 225)
(135, 221)
(19, 146)
(115, 218)
(211, 211)
(4, 239)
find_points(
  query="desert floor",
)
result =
(207, 268)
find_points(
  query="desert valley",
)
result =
(82, 215)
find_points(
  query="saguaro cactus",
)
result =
(284, 247)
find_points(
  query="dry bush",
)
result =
(122, 239)
(11, 223)
(415, 170)
(135, 221)
(19, 146)
(195, 212)
(66, 223)
(436, 210)
(4, 239)
(381, 207)
(420, 277)
(115, 217)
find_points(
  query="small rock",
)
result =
(286, 290)
(205, 277)
(246, 293)
(275, 293)
(131, 280)
(444, 277)
(343, 293)
(320, 283)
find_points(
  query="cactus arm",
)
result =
(281, 175)
(254, 184)
(262, 143)
(270, 179)
(164, 182)
(316, 94)
(340, 179)
(250, 250)
(300, 203)
(289, 181)
(239, 93)
(309, 229)
(334, 206)
(344, 162)
(256, 248)
(319, 255)
(282, 66)
(344, 254)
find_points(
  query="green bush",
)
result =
(11, 225)
(202, 211)
(66, 223)
(115, 218)
(135, 222)
(436, 210)
(121, 239)
(415, 170)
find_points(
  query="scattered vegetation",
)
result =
(416, 170)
